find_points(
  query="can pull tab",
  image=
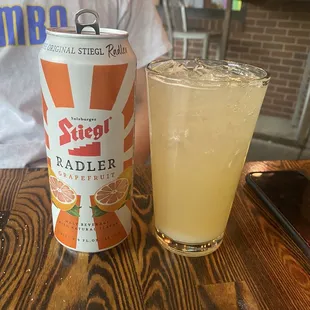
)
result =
(95, 25)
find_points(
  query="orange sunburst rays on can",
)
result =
(87, 82)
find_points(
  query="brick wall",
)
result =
(276, 38)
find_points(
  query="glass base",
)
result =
(187, 249)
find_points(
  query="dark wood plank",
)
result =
(11, 181)
(256, 250)
(165, 278)
(38, 273)
(113, 281)
(227, 296)
(257, 267)
(280, 257)
(35, 263)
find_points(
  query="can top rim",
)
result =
(105, 33)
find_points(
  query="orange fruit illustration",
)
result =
(63, 196)
(112, 196)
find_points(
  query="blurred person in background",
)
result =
(22, 32)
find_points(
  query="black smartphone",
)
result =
(287, 195)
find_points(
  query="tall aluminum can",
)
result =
(87, 80)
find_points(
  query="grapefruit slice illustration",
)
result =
(63, 196)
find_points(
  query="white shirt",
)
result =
(22, 33)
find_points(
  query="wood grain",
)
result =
(257, 267)
(11, 181)
(233, 296)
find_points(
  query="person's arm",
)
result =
(148, 41)
(142, 138)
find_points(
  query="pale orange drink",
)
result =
(202, 118)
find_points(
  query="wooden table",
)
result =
(257, 267)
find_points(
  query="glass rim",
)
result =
(264, 78)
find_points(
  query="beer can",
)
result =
(87, 80)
